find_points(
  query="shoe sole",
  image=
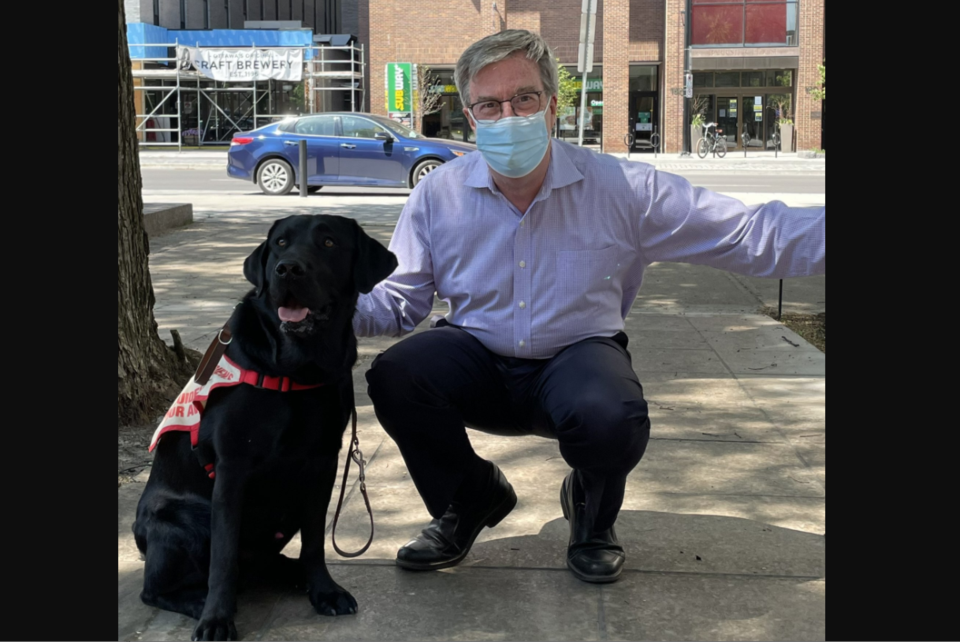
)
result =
(499, 514)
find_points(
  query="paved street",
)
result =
(215, 180)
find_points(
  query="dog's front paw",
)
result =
(333, 603)
(216, 629)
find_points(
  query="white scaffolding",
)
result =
(336, 69)
(327, 70)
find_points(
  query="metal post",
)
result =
(583, 106)
(688, 69)
(588, 34)
(780, 316)
(304, 189)
(179, 109)
(199, 111)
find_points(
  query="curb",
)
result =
(163, 217)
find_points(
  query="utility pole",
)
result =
(588, 37)
(687, 78)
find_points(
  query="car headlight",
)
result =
(459, 154)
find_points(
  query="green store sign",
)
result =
(594, 85)
(400, 87)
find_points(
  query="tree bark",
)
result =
(149, 374)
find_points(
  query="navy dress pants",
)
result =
(430, 387)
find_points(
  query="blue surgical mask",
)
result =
(514, 146)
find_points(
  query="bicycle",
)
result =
(712, 142)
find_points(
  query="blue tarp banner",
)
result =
(144, 34)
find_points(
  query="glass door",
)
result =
(644, 117)
(728, 119)
(753, 121)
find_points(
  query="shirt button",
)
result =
(523, 305)
(523, 344)
(523, 223)
(523, 264)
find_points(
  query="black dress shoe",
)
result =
(593, 557)
(447, 541)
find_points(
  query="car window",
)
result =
(354, 127)
(317, 126)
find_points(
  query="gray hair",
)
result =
(500, 46)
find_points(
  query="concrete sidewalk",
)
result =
(724, 522)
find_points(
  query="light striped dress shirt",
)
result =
(530, 284)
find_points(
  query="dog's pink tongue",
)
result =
(293, 315)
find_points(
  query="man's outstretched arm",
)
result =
(684, 224)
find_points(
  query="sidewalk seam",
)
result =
(603, 633)
(768, 576)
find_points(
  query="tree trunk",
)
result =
(149, 374)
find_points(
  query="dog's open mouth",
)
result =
(294, 313)
(296, 318)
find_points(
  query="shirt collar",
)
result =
(561, 173)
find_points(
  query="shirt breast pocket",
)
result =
(588, 274)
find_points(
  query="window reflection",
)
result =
(738, 23)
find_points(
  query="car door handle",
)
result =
(348, 146)
(291, 143)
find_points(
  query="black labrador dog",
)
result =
(273, 453)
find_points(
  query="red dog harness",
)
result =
(185, 413)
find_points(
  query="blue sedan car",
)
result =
(345, 149)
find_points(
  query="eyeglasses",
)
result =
(523, 105)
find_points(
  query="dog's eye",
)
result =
(330, 243)
(282, 242)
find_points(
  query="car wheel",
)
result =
(275, 177)
(423, 170)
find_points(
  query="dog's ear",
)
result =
(373, 262)
(255, 267)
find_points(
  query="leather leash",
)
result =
(205, 370)
(356, 455)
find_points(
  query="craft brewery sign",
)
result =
(243, 65)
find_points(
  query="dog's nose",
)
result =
(290, 269)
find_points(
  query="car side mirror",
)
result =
(384, 136)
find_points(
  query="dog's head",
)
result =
(311, 269)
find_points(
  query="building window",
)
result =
(746, 79)
(644, 78)
(728, 79)
(183, 14)
(570, 118)
(156, 12)
(744, 23)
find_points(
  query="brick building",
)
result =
(748, 58)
